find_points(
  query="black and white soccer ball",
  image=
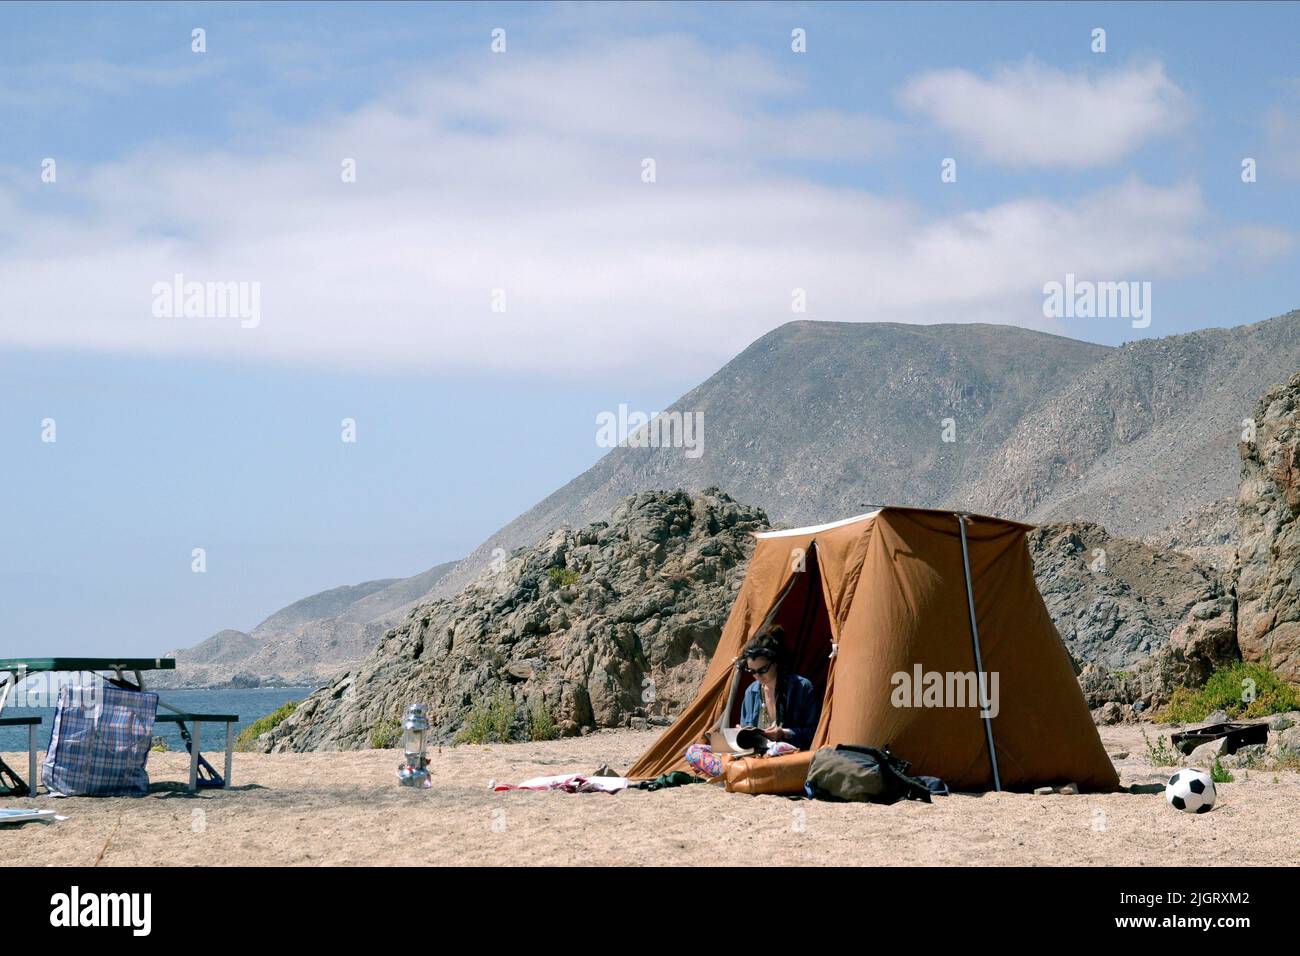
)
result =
(1191, 791)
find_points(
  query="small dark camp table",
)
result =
(15, 670)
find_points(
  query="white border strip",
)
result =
(813, 529)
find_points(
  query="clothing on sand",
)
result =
(570, 783)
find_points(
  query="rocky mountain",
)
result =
(821, 420)
(307, 642)
(588, 619)
(228, 648)
(321, 606)
(818, 420)
(1268, 560)
(1145, 441)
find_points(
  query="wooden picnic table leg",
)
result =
(194, 757)
(32, 782)
(230, 746)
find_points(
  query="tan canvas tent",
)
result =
(899, 617)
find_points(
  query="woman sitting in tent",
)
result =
(783, 706)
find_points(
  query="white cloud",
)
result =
(62, 84)
(1035, 115)
(524, 175)
(1282, 138)
(1255, 245)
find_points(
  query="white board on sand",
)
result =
(28, 816)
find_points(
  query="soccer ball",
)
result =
(1191, 791)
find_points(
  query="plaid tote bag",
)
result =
(100, 742)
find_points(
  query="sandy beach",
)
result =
(344, 808)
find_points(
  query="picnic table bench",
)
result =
(14, 670)
(195, 720)
(31, 722)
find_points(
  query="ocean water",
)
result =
(249, 703)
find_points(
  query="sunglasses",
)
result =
(760, 672)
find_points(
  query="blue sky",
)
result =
(517, 177)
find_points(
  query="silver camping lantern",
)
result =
(413, 771)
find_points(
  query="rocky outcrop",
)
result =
(614, 624)
(1139, 621)
(601, 625)
(1268, 551)
(1203, 641)
(1116, 601)
(1255, 614)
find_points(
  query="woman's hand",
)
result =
(774, 733)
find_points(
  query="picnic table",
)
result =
(14, 670)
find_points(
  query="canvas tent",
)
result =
(876, 610)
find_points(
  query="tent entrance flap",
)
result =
(738, 679)
(802, 614)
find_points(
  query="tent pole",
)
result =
(981, 682)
